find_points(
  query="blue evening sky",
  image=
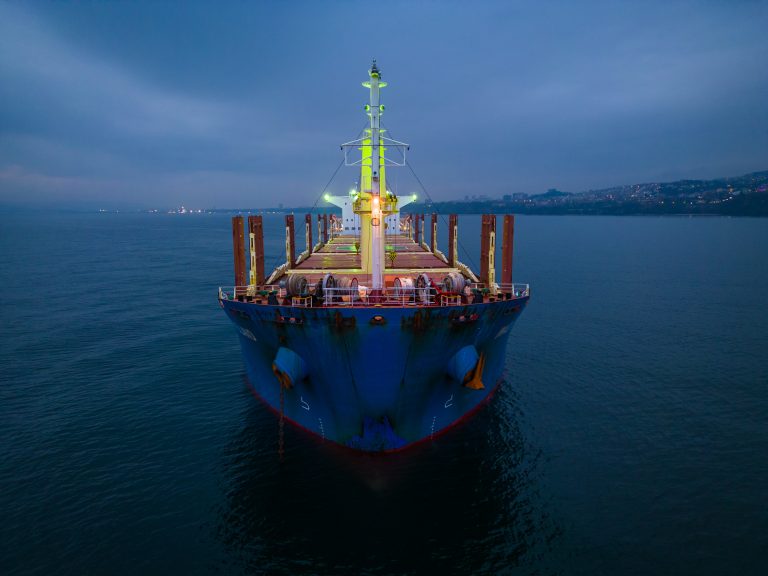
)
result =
(243, 104)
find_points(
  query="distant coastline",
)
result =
(745, 195)
(738, 196)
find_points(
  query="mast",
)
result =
(372, 202)
(376, 178)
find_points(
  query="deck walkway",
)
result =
(339, 255)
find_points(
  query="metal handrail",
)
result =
(232, 292)
(517, 289)
(390, 296)
(362, 295)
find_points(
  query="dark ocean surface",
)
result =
(629, 437)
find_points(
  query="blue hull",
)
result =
(375, 378)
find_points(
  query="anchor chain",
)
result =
(281, 433)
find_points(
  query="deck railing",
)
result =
(390, 296)
(517, 290)
(274, 294)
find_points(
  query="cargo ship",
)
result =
(372, 337)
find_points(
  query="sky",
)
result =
(244, 104)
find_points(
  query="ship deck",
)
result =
(339, 257)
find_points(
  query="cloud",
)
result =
(87, 90)
(246, 104)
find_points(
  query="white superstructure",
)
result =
(351, 221)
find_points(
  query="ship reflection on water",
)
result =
(466, 502)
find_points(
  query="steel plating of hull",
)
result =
(375, 378)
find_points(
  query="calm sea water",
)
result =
(630, 436)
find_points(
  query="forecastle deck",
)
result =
(330, 273)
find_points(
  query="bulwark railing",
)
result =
(314, 296)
